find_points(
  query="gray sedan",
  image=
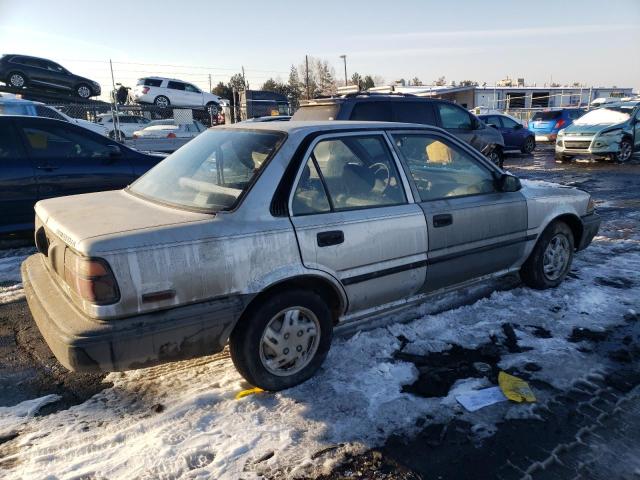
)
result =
(269, 235)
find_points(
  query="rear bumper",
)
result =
(590, 227)
(545, 137)
(82, 343)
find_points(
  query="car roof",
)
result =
(329, 126)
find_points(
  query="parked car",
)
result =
(127, 124)
(43, 158)
(171, 130)
(270, 118)
(494, 111)
(20, 71)
(16, 106)
(269, 235)
(408, 108)
(611, 131)
(516, 136)
(164, 92)
(546, 124)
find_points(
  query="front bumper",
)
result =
(586, 145)
(86, 344)
(590, 227)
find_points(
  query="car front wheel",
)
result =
(282, 340)
(17, 80)
(551, 258)
(496, 156)
(529, 145)
(625, 152)
(83, 91)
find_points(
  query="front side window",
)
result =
(453, 117)
(356, 171)
(43, 111)
(442, 170)
(176, 85)
(55, 142)
(508, 123)
(191, 88)
(210, 172)
(494, 120)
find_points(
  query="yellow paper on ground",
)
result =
(250, 391)
(515, 388)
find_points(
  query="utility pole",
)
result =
(210, 87)
(306, 68)
(344, 57)
(244, 80)
(115, 120)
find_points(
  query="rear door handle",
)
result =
(332, 237)
(442, 220)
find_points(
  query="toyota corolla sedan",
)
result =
(269, 235)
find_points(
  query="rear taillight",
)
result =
(560, 123)
(171, 135)
(91, 278)
(145, 90)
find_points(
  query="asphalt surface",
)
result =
(590, 431)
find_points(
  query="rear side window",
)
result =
(508, 123)
(546, 116)
(453, 117)
(372, 112)
(414, 112)
(317, 112)
(573, 114)
(8, 143)
(176, 85)
(150, 82)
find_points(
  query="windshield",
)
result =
(605, 116)
(210, 172)
(545, 116)
(317, 112)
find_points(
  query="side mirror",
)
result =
(114, 151)
(508, 183)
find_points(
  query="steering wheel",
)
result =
(381, 173)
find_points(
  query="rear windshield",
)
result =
(149, 82)
(210, 172)
(547, 115)
(317, 112)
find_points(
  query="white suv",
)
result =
(164, 92)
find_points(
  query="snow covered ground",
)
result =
(10, 282)
(182, 420)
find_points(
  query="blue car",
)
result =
(546, 125)
(516, 136)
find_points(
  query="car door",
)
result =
(18, 186)
(514, 133)
(193, 95)
(354, 219)
(474, 229)
(414, 112)
(70, 160)
(176, 93)
(460, 123)
(58, 75)
(636, 131)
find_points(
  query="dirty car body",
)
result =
(343, 220)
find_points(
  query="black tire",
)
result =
(112, 135)
(161, 101)
(245, 340)
(532, 271)
(625, 153)
(17, 80)
(496, 156)
(529, 145)
(84, 91)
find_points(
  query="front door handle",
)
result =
(48, 168)
(332, 237)
(442, 220)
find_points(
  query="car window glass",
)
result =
(55, 142)
(442, 170)
(372, 111)
(191, 88)
(47, 112)
(8, 144)
(14, 109)
(176, 85)
(359, 172)
(310, 196)
(494, 120)
(152, 82)
(508, 123)
(414, 112)
(454, 117)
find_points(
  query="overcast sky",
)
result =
(593, 42)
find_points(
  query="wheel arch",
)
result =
(18, 71)
(573, 222)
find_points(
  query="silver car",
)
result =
(269, 235)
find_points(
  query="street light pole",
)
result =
(344, 57)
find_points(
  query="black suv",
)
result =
(408, 109)
(19, 71)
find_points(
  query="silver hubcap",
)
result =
(84, 92)
(161, 102)
(556, 257)
(17, 80)
(625, 151)
(290, 341)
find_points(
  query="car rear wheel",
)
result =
(83, 90)
(161, 101)
(529, 145)
(282, 340)
(17, 80)
(625, 152)
(551, 258)
(112, 135)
